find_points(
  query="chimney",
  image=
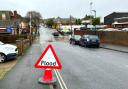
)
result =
(15, 13)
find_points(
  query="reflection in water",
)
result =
(45, 35)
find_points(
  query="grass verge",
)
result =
(5, 67)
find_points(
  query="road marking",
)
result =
(60, 79)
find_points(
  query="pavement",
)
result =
(115, 47)
(6, 67)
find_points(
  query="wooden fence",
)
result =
(110, 37)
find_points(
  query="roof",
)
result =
(120, 14)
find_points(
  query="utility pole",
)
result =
(94, 13)
(95, 19)
(30, 23)
(71, 24)
(91, 12)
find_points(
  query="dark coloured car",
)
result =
(75, 39)
(89, 40)
(55, 33)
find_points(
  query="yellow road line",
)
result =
(62, 79)
(58, 79)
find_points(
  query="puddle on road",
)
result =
(46, 35)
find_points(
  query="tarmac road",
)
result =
(82, 68)
(91, 68)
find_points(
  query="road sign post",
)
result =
(49, 61)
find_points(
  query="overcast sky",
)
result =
(64, 8)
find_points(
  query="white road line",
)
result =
(58, 79)
(62, 79)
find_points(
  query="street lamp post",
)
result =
(30, 23)
(71, 24)
(91, 8)
(94, 12)
(91, 13)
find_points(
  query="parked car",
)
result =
(7, 52)
(75, 39)
(66, 32)
(55, 33)
(89, 40)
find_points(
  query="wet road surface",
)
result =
(82, 68)
(92, 68)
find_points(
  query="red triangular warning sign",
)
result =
(48, 59)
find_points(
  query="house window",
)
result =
(3, 16)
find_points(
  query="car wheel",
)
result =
(2, 58)
(86, 45)
(98, 46)
(81, 44)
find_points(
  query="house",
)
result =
(9, 18)
(110, 19)
(65, 21)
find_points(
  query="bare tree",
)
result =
(35, 18)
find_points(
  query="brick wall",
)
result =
(8, 38)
